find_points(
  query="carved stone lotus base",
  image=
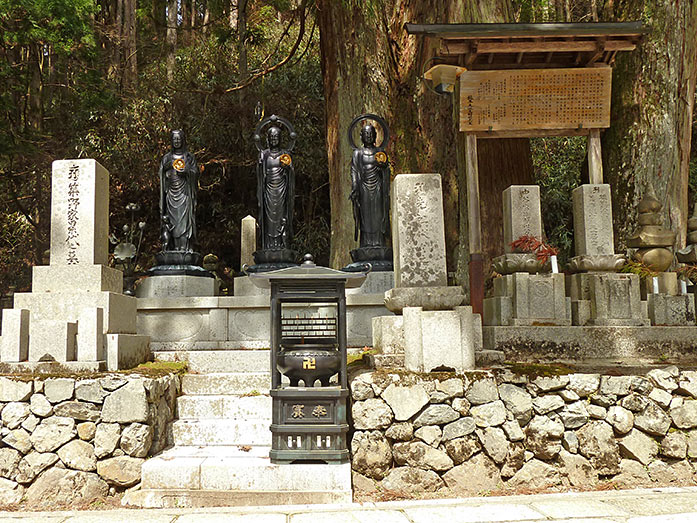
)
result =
(597, 263)
(174, 263)
(688, 254)
(266, 260)
(657, 258)
(519, 262)
(428, 298)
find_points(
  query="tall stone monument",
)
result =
(431, 329)
(76, 313)
(524, 295)
(599, 295)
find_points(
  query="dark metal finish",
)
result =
(370, 195)
(508, 30)
(275, 195)
(309, 422)
(178, 174)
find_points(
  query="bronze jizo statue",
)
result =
(179, 175)
(370, 195)
(275, 195)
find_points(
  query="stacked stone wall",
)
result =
(490, 430)
(70, 439)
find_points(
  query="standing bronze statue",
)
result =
(370, 195)
(275, 195)
(178, 175)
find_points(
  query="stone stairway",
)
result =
(221, 442)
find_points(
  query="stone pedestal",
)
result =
(248, 241)
(528, 299)
(669, 310)
(176, 286)
(76, 301)
(604, 299)
(14, 343)
(441, 340)
(243, 286)
(667, 284)
(375, 283)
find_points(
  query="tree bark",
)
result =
(652, 103)
(370, 64)
(241, 38)
(130, 44)
(171, 38)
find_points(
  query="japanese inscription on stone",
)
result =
(72, 236)
(535, 99)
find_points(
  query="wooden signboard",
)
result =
(535, 99)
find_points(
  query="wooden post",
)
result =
(476, 265)
(595, 158)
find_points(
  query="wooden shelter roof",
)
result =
(523, 46)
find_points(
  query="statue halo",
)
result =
(375, 118)
(277, 121)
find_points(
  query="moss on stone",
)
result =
(536, 370)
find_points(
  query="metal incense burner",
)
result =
(309, 421)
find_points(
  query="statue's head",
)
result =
(178, 140)
(368, 135)
(273, 136)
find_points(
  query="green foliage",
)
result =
(557, 165)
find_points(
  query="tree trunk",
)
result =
(171, 38)
(35, 106)
(652, 102)
(370, 64)
(241, 37)
(130, 44)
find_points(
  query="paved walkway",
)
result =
(660, 505)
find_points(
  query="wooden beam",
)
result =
(599, 51)
(476, 269)
(595, 158)
(454, 47)
(531, 133)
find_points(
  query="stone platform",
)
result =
(234, 322)
(629, 345)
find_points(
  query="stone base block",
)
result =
(590, 345)
(614, 299)
(375, 283)
(125, 351)
(671, 310)
(528, 299)
(667, 284)
(426, 298)
(119, 309)
(90, 335)
(14, 343)
(52, 340)
(243, 286)
(52, 367)
(176, 286)
(388, 334)
(440, 339)
(71, 278)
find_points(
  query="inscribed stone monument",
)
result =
(522, 296)
(76, 313)
(600, 296)
(430, 308)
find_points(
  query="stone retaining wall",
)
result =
(490, 430)
(69, 438)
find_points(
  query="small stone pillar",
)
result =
(523, 295)
(431, 328)
(666, 306)
(599, 295)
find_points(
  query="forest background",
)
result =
(109, 79)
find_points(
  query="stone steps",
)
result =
(206, 361)
(224, 407)
(221, 449)
(212, 432)
(238, 383)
